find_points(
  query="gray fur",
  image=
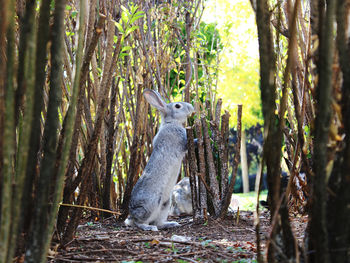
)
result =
(181, 198)
(150, 199)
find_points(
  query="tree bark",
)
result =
(228, 194)
(318, 230)
(35, 136)
(35, 252)
(214, 186)
(8, 133)
(339, 182)
(244, 164)
(24, 130)
(110, 149)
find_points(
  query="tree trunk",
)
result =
(25, 122)
(35, 136)
(339, 183)
(110, 149)
(36, 252)
(318, 230)
(244, 164)
(8, 138)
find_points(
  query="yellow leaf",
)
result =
(155, 242)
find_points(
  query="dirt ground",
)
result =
(229, 240)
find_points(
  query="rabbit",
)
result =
(181, 198)
(150, 198)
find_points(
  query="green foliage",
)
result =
(207, 45)
(128, 18)
(238, 81)
(210, 40)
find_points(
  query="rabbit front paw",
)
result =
(169, 224)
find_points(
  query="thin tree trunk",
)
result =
(110, 149)
(35, 136)
(244, 164)
(9, 143)
(268, 95)
(26, 30)
(228, 194)
(318, 230)
(24, 135)
(201, 173)
(214, 185)
(35, 251)
(192, 165)
(339, 183)
(223, 149)
(3, 29)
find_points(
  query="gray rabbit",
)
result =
(181, 198)
(150, 197)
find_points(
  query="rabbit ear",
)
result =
(154, 98)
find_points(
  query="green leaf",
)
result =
(126, 48)
(134, 18)
(131, 29)
(124, 9)
(120, 27)
(133, 8)
(123, 55)
(69, 34)
(139, 13)
(125, 17)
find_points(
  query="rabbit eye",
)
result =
(177, 106)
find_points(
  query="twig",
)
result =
(91, 208)
(102, 250)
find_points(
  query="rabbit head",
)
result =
(175, 112)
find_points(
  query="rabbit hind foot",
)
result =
(169, 224)
(130, 222)
(146, 227)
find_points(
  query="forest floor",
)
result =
(228, 240)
